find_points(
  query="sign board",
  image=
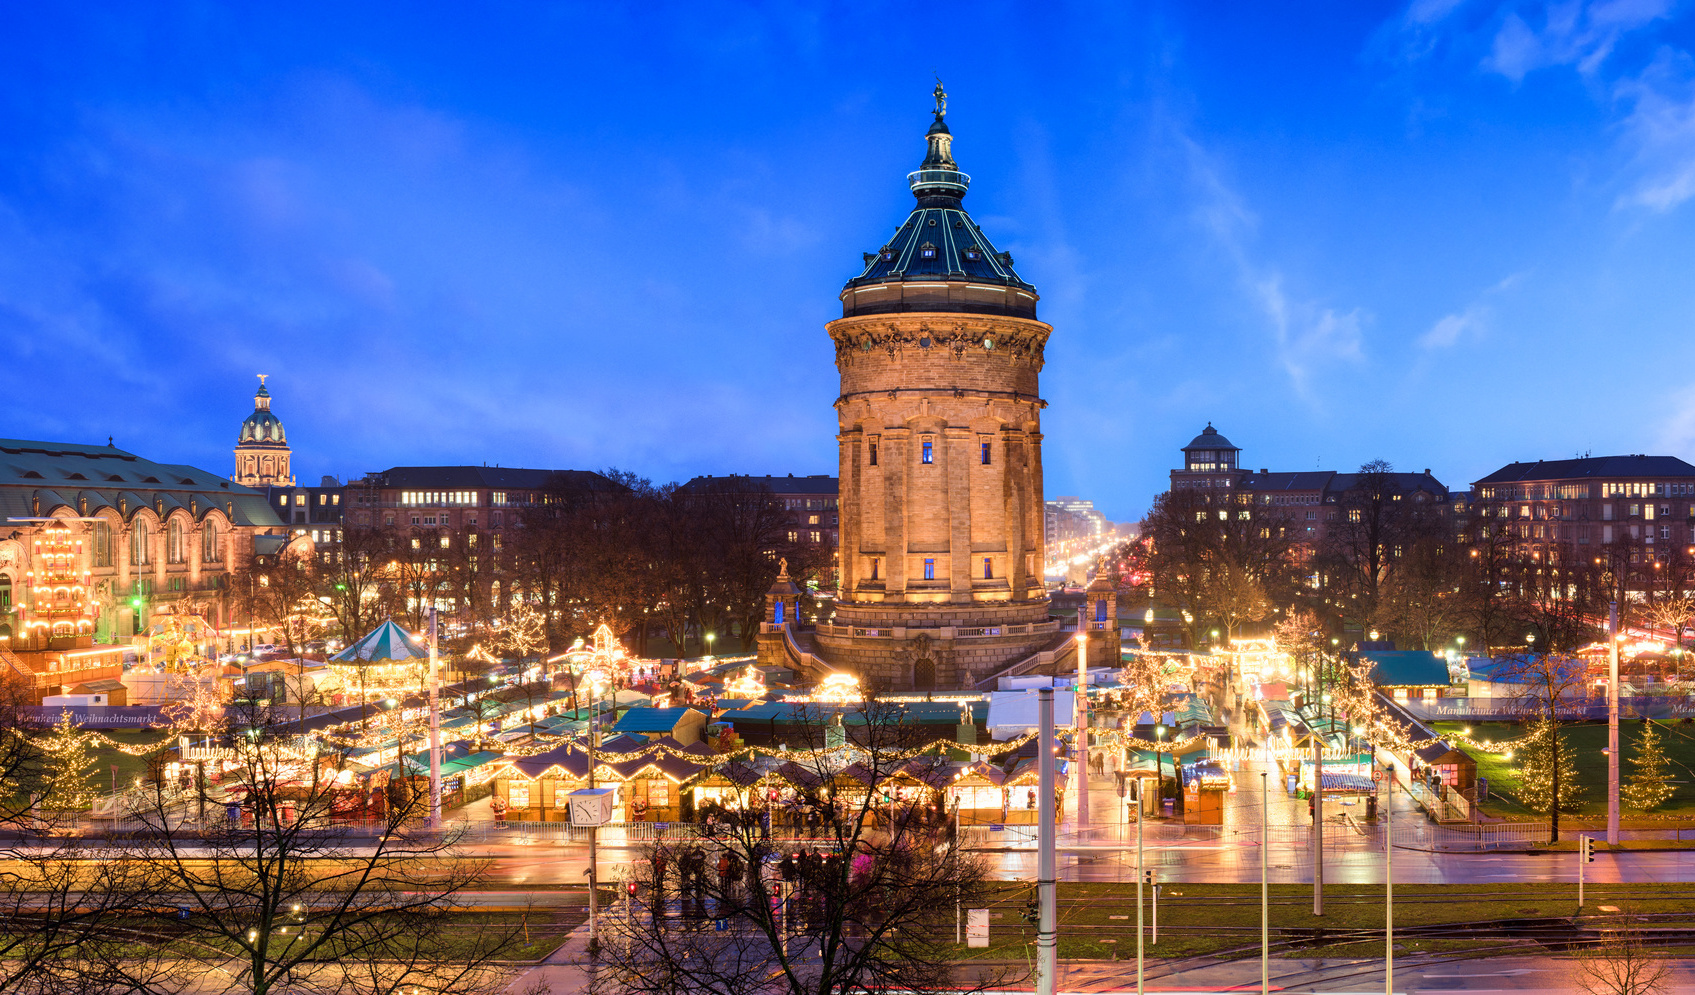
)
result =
(590, 806)
(1482, 788)
(977, 928)
(1377, 773)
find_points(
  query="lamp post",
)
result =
(1612, 713)
(1082, 702)
(1047, 940)
(594, 734)
(710, 636)
(435, 729)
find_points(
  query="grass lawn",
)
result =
(1587, 740)
(1224, 919)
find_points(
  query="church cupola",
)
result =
(261, 447)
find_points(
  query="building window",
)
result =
(929, 569)
(211, 544)
(929, 452)
(388, 520)
(817, 537)
(873, 455)
(985, 454)
(102, 543)
(988, 568)
(812, 519)
(139, 541)
(794, 537)
(875, 563)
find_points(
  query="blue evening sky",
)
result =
(1450, 234)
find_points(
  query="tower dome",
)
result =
(262, 454)
(262, 425)
(938, 260)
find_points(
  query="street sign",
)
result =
(1482, 789)
(1377, 773)
(977, 928)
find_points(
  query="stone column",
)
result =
(849, 457)
(1012, 495)
(956, 474)
(896, 452)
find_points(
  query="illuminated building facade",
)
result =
(96, 539)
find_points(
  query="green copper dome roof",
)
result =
(262, 426)
(939, 241)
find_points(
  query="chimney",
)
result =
(1264, 470)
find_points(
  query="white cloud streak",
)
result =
(1308, 337)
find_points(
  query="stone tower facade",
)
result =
(940, 446)
(261, 449)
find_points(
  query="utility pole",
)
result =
(1389, 892)
(1612, 723)
(1047, 942)
(435, 728)
(1141, 814)
(594, 732)
(1317, 823)
(1082, 721)
(1264, 885)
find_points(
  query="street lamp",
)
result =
(710, 636)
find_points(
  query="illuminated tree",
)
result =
(1649, 785)
(1548, 772)
(68, 785)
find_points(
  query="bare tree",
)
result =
(1621, 964)
(285, 896)
(61, 896)
(868, 906)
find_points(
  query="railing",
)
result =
(939, 632)
(1339, 834)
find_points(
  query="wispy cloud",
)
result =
(1574, 33)
(1472, 322)
(1308, 337)
(1659, 131)
(1447, 331)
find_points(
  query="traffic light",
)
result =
(1586, 847)
(630, 888)
(1148, 876)
(1032, 911)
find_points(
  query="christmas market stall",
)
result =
(1023, 775)
(978, 790)
(647, 778)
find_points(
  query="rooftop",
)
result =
(1592, 467)
(38, 477)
